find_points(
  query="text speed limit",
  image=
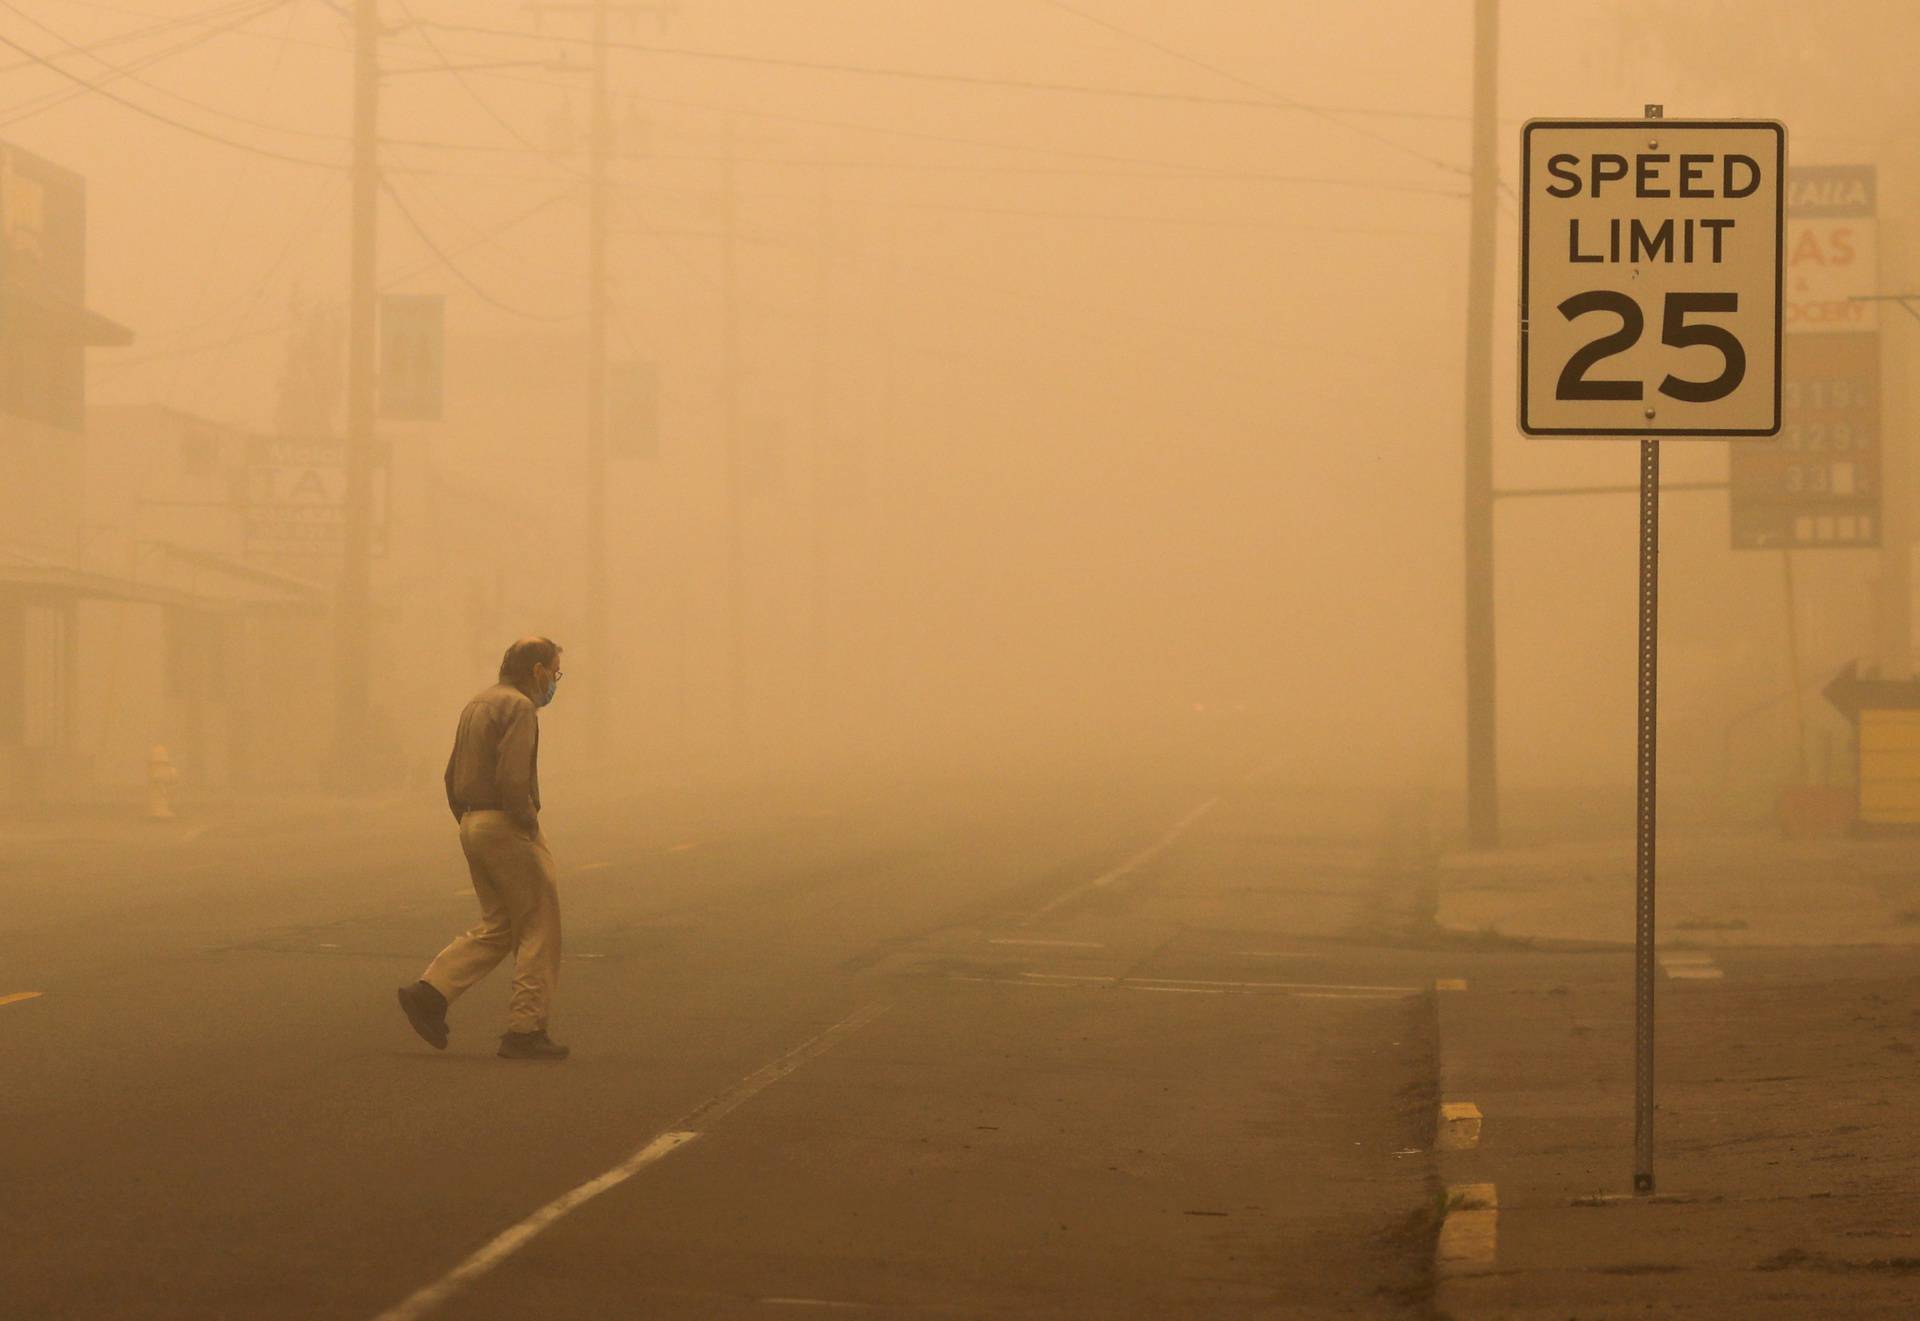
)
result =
(1650, 277)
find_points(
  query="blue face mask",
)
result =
(553, 686)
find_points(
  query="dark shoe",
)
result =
(531, 1046)
(426, 1009)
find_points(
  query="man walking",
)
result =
(493, 787)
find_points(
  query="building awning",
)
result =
(57, 317)
(260, 586)
(25, 572)
(102, 332)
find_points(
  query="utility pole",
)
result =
(736, 505)
(598, 669)
(599, 146)
(1483, 784)
(822, 458)
(352, 610)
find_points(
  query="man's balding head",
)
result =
(516, 667)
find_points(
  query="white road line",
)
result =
(816, 1302)
(1137, 861)
(1275, 986)
(1059, 944)
(1693, 967)
(708, 1113)
(1060, 982)
(1241, 986)
(1172, 990)
(18, 996)
(593, 866)
(1270, 954)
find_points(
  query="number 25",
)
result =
(1674, 330)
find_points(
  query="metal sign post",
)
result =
(1643, 860)
(1650, 307)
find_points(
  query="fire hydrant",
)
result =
(162, 775)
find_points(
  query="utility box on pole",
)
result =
(412, 356)
(633, 410)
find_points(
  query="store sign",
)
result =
(297, 498)
(1818, 485)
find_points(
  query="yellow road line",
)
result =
(18, 996)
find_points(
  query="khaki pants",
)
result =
(519, 911)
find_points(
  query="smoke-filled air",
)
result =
(958, 658)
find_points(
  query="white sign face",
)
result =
(297, 498)
(1650, 277)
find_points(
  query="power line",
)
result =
(1213, 222)
(128, 73)
(1319, 111)
(124, 72)
(1168, 174)
(526, 146)
(459, 274)
(960, 79)
(33, 106)
(240, 178)
(460, 77)
(198, 132)
(134, 34)
(399, 276)
(200, 20)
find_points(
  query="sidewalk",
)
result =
(1715, 891)
(1788, 1012)
(120, 821)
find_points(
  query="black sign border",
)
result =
(1779, 131)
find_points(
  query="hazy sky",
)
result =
(1174, 375)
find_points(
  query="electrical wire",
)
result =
(135, 34)
(34, 106)
(121, 72)
(328, 182)
(1210, 222)
(148, 113)
(959, 79)
(1291, 103)
(433, 246)
(400, 275)
(459, 77)
(196, 20)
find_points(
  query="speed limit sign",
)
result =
(1650, 286)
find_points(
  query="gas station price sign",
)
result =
(1650, 277)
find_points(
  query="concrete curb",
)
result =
(1469, 1239)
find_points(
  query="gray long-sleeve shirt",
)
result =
(496, 757)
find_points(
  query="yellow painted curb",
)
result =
(1469, 1236)
(1459, 1127)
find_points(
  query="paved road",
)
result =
(1109, 1047)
